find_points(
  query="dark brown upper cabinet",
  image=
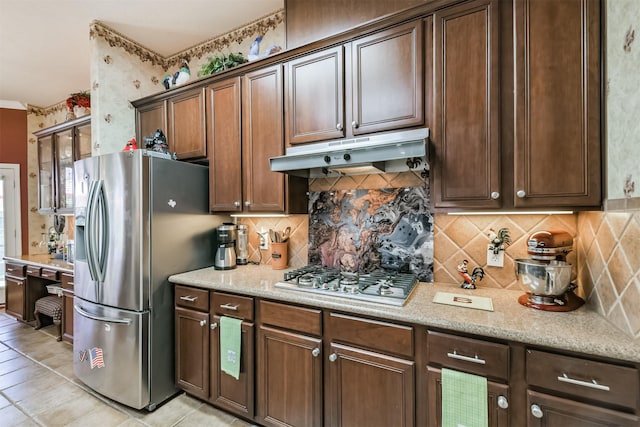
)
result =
(466, 162)
(372, 84)
(557, 104)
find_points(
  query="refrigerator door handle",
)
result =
(102, 232)
(83, 313)
(90, 227)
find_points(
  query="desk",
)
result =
(27, 278)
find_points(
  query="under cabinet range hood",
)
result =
(390, 152)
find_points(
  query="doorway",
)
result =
(10, 231)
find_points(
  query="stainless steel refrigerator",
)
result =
(138, 219)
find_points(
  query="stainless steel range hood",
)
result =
(379, 153)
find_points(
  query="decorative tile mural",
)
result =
(364, 230)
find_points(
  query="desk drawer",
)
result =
(605, 382)
(47, 273)
(33, 270)
(15, 270)
(193, 298)
(67, 280)
(475, 356)
(224, 304)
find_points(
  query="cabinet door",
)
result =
(497, 401)
(227, 392)
(550, 411)
(387, 79)
(46, 175)
(465, 134)
(192, 352)
(289, 379)
(314, 96)
(557, 103)
(64, 170)
(15, 289)
(150, 118)
(224, 135)
(82, 142)
(187, 128)
(369, 389)
(67, 306)
(262, 122)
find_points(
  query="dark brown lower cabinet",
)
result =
(192, 352)
(367, 388)
(67, 306)
(289, 378)
(545, 410)
(15, 296)
(497, 401)
(235, 395)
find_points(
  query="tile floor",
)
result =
(38, 388)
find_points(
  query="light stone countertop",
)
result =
(582, 330)
(42, 261)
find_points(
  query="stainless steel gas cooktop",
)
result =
(381, 286)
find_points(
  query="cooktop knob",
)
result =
(327, 159)
(347, 156)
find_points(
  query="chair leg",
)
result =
(36, 314)
(58, 324)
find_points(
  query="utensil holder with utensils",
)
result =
(279, 255)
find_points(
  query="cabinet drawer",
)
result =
(15, 270)
(301, 319)
(67, 280)
(478, 357)
(232, 305)
(584, 378)
(193, 298)
(49, 274)
(33, 270)
(372, 334)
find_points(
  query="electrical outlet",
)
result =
(264, 240)
(493, 259)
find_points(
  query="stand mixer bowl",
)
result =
(551, 278)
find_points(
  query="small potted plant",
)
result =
(79, 103)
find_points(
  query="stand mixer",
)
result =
(546, 274)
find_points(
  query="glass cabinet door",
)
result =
(45, 178)
(83, 142)
(64, 156)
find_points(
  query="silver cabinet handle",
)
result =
(229, 307)
(247, 203)
(315, 352)
(536, 411)
(213, 325)
(495, 195)
(503, 403)
(565, 379)
(236, 204)
(354, 124)
(339, 126)
(333, 357)
(203, 322)
(521, 194)
(475, 359)
(188, 298)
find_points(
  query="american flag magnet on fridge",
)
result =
(96, 358)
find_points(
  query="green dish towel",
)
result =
(230, 338)
(464, 400)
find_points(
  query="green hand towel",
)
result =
(230, 339)
(464, 400)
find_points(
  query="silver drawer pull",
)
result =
(229, 307)
(188, 298)
(475, 359)
(565, 379)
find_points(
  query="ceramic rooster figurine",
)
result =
(469, 280)
(180, 77)
(499, 240)
(254, 50)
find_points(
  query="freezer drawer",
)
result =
(110, 345)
